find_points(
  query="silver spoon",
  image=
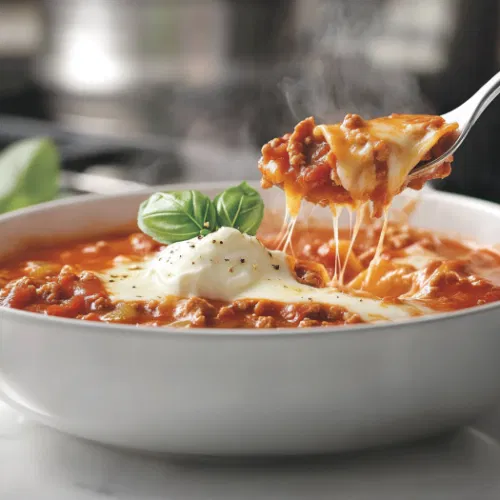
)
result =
(466, 116)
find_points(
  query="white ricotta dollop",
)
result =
(228, 265)
(219, 266)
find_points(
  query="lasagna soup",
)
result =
(225, 263)
(228, 279)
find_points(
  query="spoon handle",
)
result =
(468, 113)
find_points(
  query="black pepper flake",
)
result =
(190, 246)
(214, 241)
(133, 286)
(192, 263)
(276, 266)
(242, 261)
(111, 281)
(270, 254)
(227, 260)
(221, 242)
(114, 275)
(309, 298)
(200, 237)
(231, 269)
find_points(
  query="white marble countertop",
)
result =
(41, 464)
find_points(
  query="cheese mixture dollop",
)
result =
(228, 265)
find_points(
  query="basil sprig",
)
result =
(174, 216)
(240, 207)
(169, 217)
(29, 173)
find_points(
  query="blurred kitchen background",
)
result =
(158, 91)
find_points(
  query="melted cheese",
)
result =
(405, 140)
(239, 267)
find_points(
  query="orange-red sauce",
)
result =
(58, 280)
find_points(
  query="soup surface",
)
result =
(112, 279)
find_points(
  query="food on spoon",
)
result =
(356, 161)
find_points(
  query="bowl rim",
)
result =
(166, 331)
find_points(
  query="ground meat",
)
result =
(240, 307)
(263, 321)
(334, 313)
(311, 311)
(290, 313)
(98, 302)
(307, 323)
(87, 284)
(226, 313)
(301, 137)
(296, 312)
(198, 311)
(20, 294)
(265, 308)
(51, 292)
(350, 318)
(352, 121)
(244, 305)
(68, 271)
(87, 276)
(67, 279)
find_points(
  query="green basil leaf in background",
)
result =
(240, 207)
(174, 216)
(29, 173)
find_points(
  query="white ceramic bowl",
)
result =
(248, 392)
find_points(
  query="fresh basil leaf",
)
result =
(240, 207)
(174, 216)
(29, 173)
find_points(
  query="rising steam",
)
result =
(334, 75)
